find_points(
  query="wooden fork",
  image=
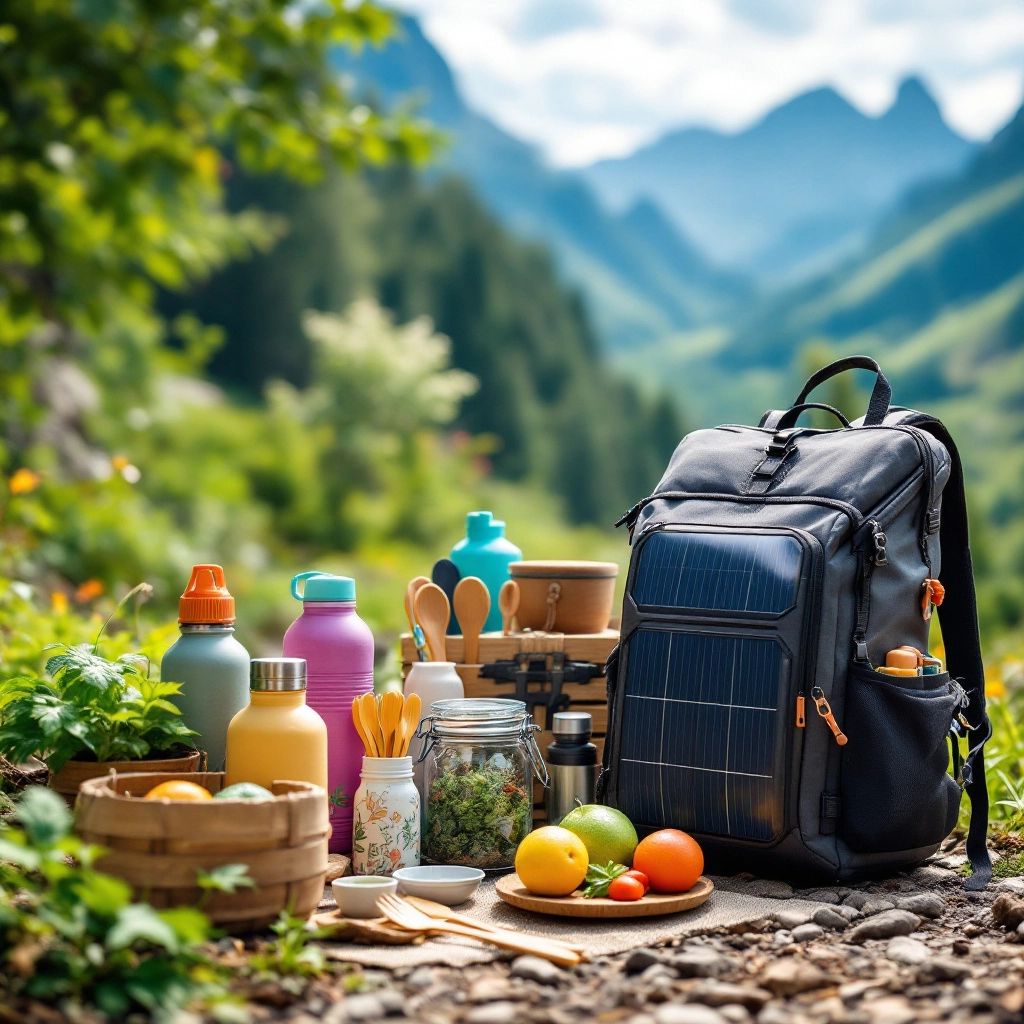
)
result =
(403, 914)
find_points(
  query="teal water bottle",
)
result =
(486, 552)
(211, 665)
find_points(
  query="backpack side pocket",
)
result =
(896, 792)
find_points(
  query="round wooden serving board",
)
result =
(513, 892)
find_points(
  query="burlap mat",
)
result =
(600, 938)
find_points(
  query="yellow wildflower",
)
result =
(59, 602)
(24, 481)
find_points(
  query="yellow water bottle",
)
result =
(277, 737)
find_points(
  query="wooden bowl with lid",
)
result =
(565, 597)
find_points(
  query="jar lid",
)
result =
(277, 674)
(555, 570)
(572, 724)
(478, 716)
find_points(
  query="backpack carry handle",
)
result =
(881, 393)
(790, 416)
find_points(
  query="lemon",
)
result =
(607, 833)
(551, 861)
(178, 789)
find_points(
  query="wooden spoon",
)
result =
(432, 611)
(508, 602)
(390, 717)
(410, 594)
(367, 708)
(410, 720)
(472, 606)
(357, 721)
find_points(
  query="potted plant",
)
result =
(89, 715)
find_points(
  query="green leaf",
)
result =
(139, 923)
(190, 925)
(225, 878)
(17, 854)
(104, 894)
(600, 877)
(44, 815)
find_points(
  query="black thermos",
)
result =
(572, 764)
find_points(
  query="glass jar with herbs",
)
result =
(480, 760)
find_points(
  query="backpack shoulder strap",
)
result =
(958, 615)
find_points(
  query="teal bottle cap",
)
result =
(483, 526)
(323, 586)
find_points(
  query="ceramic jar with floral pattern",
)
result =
(385, 817)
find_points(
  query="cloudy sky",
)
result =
(592, 78)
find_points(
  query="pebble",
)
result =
(885, 925)
(700, 962)
(421, 978)
(850, 913)
(890, 1010)
(821, 895)
(774, 1014)
(1011, 885)
(905, 950)
(807, 932)
(945, 968)
(532, 968)
(789, 976)
(392, 1001)
(1008, 911)
(493, 1013)
(782, 938)
(686, 1013)
(924, 904)
(828, 917)
(856, 900)
(640, 959)
(718, 993)
(734, 1013)
(876, 905)
(363, 1006)
(787, 918)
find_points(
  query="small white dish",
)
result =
(357, 895)
(444, 883)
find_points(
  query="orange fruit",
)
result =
(626, 889)
(672, 860)
(551, 861)
(178, 789)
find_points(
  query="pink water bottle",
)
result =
(338, 648)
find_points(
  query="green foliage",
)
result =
(72, 937)
(89, 705)
(292, 957)
(600, 877)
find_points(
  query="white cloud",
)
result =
(591, 78)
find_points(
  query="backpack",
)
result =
(771, 571)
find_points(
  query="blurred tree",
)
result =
(113, 120)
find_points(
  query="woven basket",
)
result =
(68, 780)
(158, 846)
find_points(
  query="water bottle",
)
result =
(572, 764)
(486, 552)
(338, 648)
(209, 663)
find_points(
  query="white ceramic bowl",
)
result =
(444, 883)
(357, 895)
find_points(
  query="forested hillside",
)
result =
(554, 413)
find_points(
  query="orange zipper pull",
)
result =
(821, 705)
(801, 718)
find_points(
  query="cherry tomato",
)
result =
(626, 889)
(641, 878)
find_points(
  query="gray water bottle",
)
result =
(211, 665)
(572, 764)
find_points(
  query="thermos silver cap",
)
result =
(277, 674)
(572, 723)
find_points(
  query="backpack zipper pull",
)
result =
(821, 705)
(629, 517)
(801, 711)
(878, 538)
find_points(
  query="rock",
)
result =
(945, 968)
(829, 917)
(363, 1006)
(686, 1013)
(1008, 911)
(1011, 885)
(532, 968)
(719, 993)
(421, 978)
(890, 1010)
(640, 959)
(850, 913)
(700, 962)
(338, 866)
(770, 888)
(807, 932)
(820, 895)
(773, 1013)
(924, 904)
(875, 905)
(392, 1001)
(493, 1013)
(658, 976)
(885, 925)
(787, 918)
(490, 988)
(790, 976)
(905, 950)
(856, 899)
(782, 938)
(734, 1013)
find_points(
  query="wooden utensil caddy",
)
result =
(592, 648)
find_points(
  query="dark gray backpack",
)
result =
(771, 570)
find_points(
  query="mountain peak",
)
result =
(810, 106)
(914, 101)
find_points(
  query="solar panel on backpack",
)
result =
(722, 686)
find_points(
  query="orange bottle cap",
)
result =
(207, 600)
(903, 657)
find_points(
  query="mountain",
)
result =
(637, 287)
(795, 190)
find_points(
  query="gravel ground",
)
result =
(914, 948)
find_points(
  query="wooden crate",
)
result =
(590, 697)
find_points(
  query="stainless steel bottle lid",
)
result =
(572, 724)
(277, 674)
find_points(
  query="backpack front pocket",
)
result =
(896, 792)
(708, 678)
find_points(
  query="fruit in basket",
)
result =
(672, 860)
(626, 889)
(607, 833)
(178, 789)
(551, 861)
(244, 791)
